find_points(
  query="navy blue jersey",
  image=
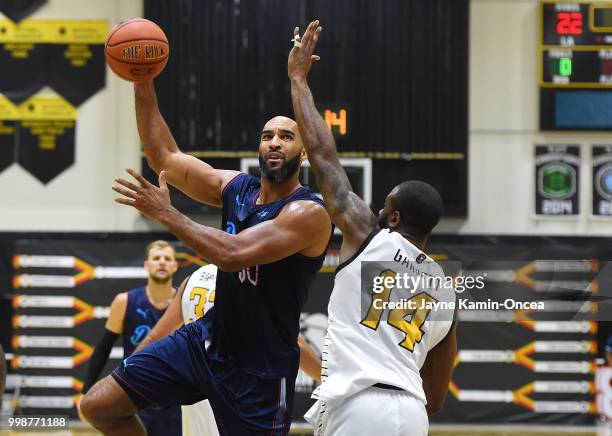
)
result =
(257, 310)
(140, 317)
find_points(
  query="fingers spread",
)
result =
(128, 184)
(137, 176)
(125, 201)
(313, 32)
(127, 193)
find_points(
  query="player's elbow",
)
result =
(157, 160)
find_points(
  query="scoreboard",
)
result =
(576, 45)
(575, 60)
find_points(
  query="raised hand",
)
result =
(146, 197)
(302, 54)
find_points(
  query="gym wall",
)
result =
(80, 198)
(504, 128)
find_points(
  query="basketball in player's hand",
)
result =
(136, 50)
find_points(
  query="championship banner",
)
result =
(557, 180)
(8, 128)
(17, 10)
(602, 180)
(39, 134)
(46, 136)
(67, 55)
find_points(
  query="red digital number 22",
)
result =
(569, 23)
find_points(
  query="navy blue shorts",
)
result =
(162, 421)
(177, 370)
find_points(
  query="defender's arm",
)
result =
(194, 177)
(437, 370)
(348, 211)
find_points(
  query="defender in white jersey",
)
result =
(390, 345)
(194, 298)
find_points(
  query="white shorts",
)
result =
(373, 411)
(198, 420)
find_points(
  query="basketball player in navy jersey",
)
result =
(195, 297)
(243, 354)
(132, 316)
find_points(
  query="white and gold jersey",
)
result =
(199, 294)
(390, 305)
(198, 297)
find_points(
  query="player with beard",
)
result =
(243, 354)
(132, 316)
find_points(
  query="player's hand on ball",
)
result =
(302, 54)
(146, 197)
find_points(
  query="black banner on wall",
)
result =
(46, 136)
(557, 180)
(602, 180)
(67, 55)
(17, 10)
(8, 138)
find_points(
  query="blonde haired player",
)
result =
(195, 297)
(384, 368)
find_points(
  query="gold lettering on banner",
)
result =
(78, 54)
(19, 50)
(6, 130)
(47, 131)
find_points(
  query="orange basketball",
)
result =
(136, 50)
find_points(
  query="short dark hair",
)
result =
(419, 205)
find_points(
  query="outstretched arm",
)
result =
(347, 210)
(301, 227)
(194, 177)
(169, 322)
